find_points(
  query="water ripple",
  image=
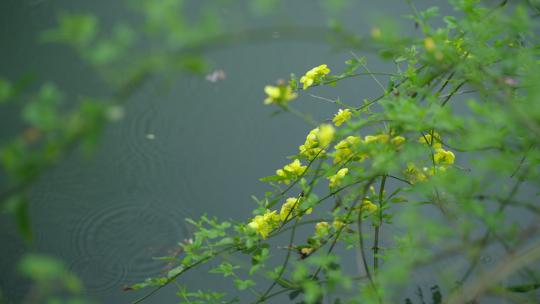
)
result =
(126, 237)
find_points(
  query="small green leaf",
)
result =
(6, 90)
(398, 199)
(243, 284)
(271, 178)
(523, 288)
(450, 21)
(77, 30)
(225, 268)
(175, 271)
(18, 206)
(41, 267)
(23, 220)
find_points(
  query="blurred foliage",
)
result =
(53, 283)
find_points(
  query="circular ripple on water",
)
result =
(99, 273)
(142, 153)
(129, 235)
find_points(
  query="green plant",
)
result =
(439, 162)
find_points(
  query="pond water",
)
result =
(196, 147)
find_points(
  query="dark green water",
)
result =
(197, 147)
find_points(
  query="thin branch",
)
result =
(283, 267)
(378, 227)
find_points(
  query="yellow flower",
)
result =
(435, 142)
(317, 140)
(291, 208)
(381, 138)
(295, 167)
(306, 250)
(414, 175)
(429, 44)
(344, 149)
(326, 135)
(397, 140)
(314, 75)
(264, 224)
(335, 180)
(337, 224)
(322, 228)
(342, 116)
(368, 206)
(433, 170)
(444, 157)
(279, 95)
(291, 171)
(376, 33)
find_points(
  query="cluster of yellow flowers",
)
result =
(322, 229)
(270, 220)
(291, 208)
(434, 141)
(314, 75)
(291, 171)
(317, 140)
(441, 156)
(384, 138)
(344, 149)
(279, 95)
(282, 94)
(442, 159)
(335, 180)
(341, 117)
(368, 206)
(266, 223)
(337, 224)
(348, 149)
(414, 175)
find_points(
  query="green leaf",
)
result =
(398, 199)
(77, 30)
(271, 178)
(175, 271)
(6, 90)
(42, 110)
(23, 220)
(41, 267)
(523, 288)
(18, 206)
(243, 284)
(451, 21)
(225, 268)
(151, 282)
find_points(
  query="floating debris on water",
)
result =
(216, 76)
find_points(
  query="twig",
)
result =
(378, 227)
